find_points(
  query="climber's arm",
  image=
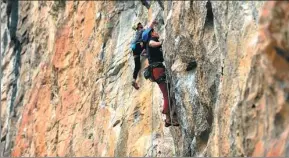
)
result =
(151, 24)
(154, 43)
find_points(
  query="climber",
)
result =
(137, 49)
(156, 70)
(145, 3)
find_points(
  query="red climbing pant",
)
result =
(158, 72)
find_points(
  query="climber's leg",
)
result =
(157, 73)
(166, 107)
(136, 70)
(137, 65)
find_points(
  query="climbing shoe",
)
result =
(168, 123)
(134, 84)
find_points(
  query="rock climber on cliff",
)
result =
(137, 48)
(156, 70)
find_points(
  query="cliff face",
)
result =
(67, 70)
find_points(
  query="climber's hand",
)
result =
(161, 41)
(143, 51)
(152, 23)
(155, 22)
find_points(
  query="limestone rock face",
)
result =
(66, 72)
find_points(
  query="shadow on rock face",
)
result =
(191, 65)
(12, 17)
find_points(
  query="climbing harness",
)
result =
(148, 72)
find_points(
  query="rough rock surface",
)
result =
(66, 71)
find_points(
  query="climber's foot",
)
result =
(168, 123)
(134, 84)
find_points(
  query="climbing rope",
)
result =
(170, 107)
(169, 94)
(152, 147)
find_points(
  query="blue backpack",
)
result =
(145, 35)
(133, 46)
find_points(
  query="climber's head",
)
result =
(154, 34)
(137, 26)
